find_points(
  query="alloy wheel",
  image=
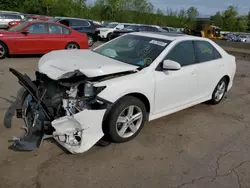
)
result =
(220, 90)
(129, 121)
(72, 47)
(2, 51)
(90, 41)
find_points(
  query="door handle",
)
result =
(41, 37)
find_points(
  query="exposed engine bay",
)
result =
(67, 110)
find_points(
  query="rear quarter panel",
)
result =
(81, 39)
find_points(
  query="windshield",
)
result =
(111, 25)
(242, 36)
(134, 49)
(18, 27)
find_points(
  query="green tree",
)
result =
(248, 22)
(217, 20)
(230, 18)
(192, 14)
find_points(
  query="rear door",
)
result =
(58, 37)
(82, 26)
(210, 67)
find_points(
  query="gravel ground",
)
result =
(203, 146)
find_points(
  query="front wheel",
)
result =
(219, 91)
(125, 120)
(109, 37)
(3, 50)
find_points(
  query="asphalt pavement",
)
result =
(203, 146)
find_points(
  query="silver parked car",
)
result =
(6, 17)
(244, 38)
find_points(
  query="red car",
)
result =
(29, 18)
(40, 37)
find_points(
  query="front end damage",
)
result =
(67, 110)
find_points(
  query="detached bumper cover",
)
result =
(80, 132)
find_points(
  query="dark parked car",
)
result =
(81, 25)
(134, 28)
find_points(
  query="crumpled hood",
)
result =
(57, 63)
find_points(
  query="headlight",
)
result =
(91, 91)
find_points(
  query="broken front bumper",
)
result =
(77, 133)
(80, 132)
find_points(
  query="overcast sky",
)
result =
(205, 7)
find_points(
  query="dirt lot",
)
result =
(203, 146)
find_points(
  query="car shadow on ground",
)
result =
(26, 56)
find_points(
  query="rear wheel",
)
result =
(90, 40)
(219, 91)
(72, 46)
(3, 50)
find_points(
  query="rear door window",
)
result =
(57, 29)
(205, 51)
(77, 23)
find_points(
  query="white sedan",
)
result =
(82, 96)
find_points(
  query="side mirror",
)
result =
(171, 65)
(25, 31)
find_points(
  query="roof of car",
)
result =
(167, 36)
(44, 22)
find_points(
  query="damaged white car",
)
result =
(82, 96)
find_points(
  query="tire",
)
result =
(219, 91)
(121, 132)
(3, 50)
(109, 36)
(72, 46)
(90, 40)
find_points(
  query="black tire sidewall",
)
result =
(109, 37)
(213, 101)
(5, 51)
(110, 122)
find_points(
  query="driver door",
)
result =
(177, 88)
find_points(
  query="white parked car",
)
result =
(106, 32)
(80, 96)
(244, 38)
